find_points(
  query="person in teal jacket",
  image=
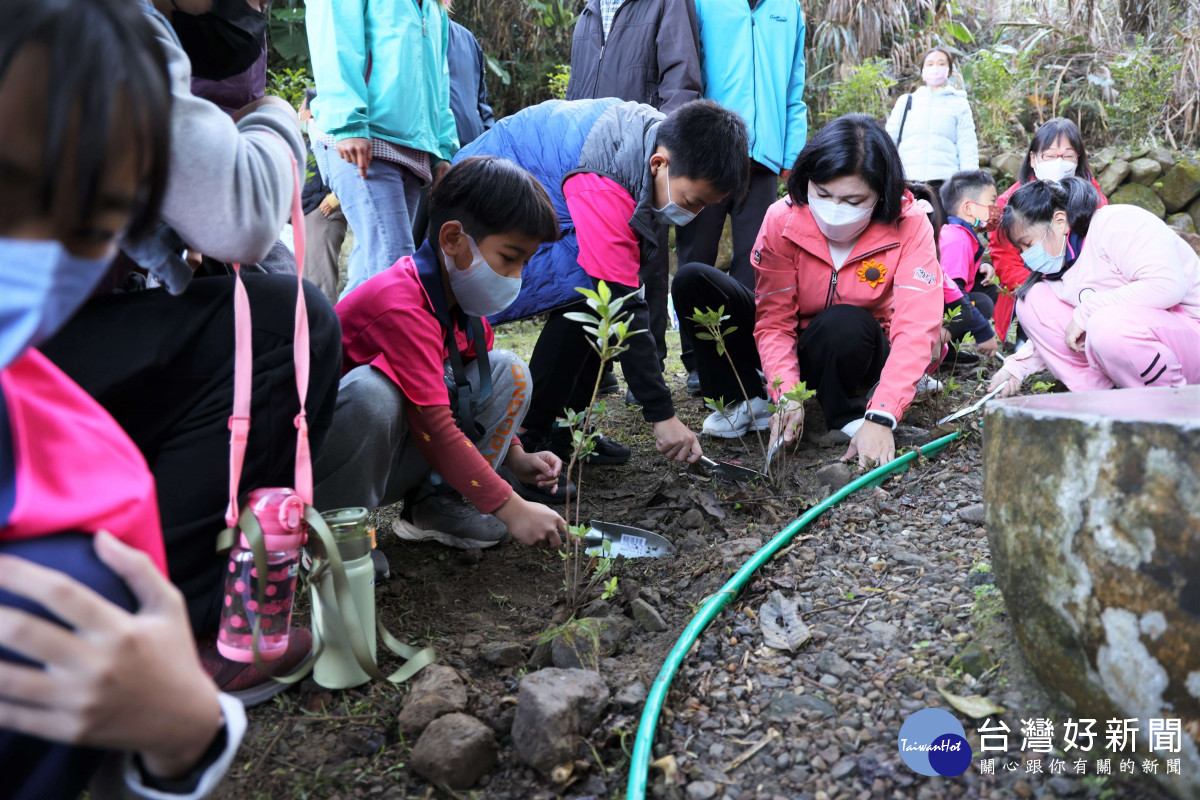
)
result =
(752, 62)
(382, 126)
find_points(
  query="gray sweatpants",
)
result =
(370, 460)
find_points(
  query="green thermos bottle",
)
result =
(336, 667)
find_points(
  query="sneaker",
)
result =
(965, 358)
(551, 496)
(609, 383)
(245, 681)
(739, 419)
(693, 383)
(447, 518)
(604, 450)
(928, 383)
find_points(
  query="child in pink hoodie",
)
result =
(1121, 310)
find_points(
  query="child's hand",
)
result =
(1013, 384)
(532, 524)
(985, 274)
(540, 468)
(676, 441)
(988, 348)
(1074, 337)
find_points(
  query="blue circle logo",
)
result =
(933, 742)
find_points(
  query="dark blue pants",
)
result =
(35, 769)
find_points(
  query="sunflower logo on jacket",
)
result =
(872, 272)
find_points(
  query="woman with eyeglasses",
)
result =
(1055, 152)
(1119, 309)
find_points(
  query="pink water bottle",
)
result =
(280, 512)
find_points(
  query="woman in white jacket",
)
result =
(932, 127)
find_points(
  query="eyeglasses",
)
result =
(1062, 157)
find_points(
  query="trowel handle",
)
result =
(708, 462)
(592, 538)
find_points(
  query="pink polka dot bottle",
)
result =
(280, 512)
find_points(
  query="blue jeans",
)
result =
(380, 210)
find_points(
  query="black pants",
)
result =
(163, 367)
(699, 286)
(983, 302)
(700, 241)
(656, 277)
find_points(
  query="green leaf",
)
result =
(730, 329)
(500, 72)
(579, 316)
(708, 337)
(959, 32)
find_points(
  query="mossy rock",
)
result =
(1144, 171)
(1009, 164)
(1163, 156)
(1194, 212)
(1180, 186)
(1113, 177)
(1134, 194)
(1100, 160)
(1181, 222)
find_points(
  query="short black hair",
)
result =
(1035, 204)
(854, 144)
(1051, 131)
(104, 60)
(708, 142)
(937, 217)
(491, 195)
(966, 185)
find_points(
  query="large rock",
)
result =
(437, 690)
(1192, 239)
(1194, 212)
(1181, 222)
(584, 642)
(1145, 171)
(1135, 194)
(1099, 161)
(1164, 157)
(1009, 164)
(455, 751)
(1180, 186)
(1098, 557)
(1113, 177)
(554, 708)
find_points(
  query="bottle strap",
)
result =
(462, 400)
(243, 368)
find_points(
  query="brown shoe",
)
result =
(245, 681)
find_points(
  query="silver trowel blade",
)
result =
(625, 540)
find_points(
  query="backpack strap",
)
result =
(904, 119)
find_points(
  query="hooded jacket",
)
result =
(752, 61)
(939, 135)
(651, 55)
(892, 272)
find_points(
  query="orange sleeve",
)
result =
(453, 456)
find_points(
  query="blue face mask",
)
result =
(41, 286)
(672, 212)
(1038, 260)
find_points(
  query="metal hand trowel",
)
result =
(730, 472)
(772, 451)
(971, 409)
(624, 540)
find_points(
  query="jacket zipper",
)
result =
(604, 45)
(421, 14)
(753, 80)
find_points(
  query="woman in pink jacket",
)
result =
(848, 293)
(1122, 309)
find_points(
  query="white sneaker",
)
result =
(739, 419)
(928, 383)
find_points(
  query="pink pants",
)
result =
(1126, 347)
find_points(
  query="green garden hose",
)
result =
(639, 767)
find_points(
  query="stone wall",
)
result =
(1164, 183)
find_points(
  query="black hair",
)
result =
(1036, 203)
(966, 185)
(854, 144)
(104, 59)
(1051, 131)
(310, 94)
(491, 195)
(937, 217)
(949, 56)
(708, 142)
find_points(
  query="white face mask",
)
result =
(935, 75)
(839, 222)
(672, 212)
(1054, 170)
(480, 290)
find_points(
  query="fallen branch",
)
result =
(746, 756)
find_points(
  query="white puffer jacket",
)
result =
(939, 134)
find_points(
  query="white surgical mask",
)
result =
(480, 290)
(839, 222)
(1055, 169)
(672, 212)
(935, 76)
(1038, 259)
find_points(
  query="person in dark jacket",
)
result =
(324, 222)
(468, 91)
(646, 51)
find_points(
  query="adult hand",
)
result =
(784, 174)
(440, 171)
(112, 679)
(676, 441)
(329, 205)
(990, 347)
(1074, 337)
(943, 339)
(541, 468)
(356, 151)
(532, 524)
(788, 422)
(873, 445)
(1004, 376)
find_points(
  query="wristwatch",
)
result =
(880, 419)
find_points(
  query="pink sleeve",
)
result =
(776, 304)
(958, 260)
(1025, 362)
(601, 210)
